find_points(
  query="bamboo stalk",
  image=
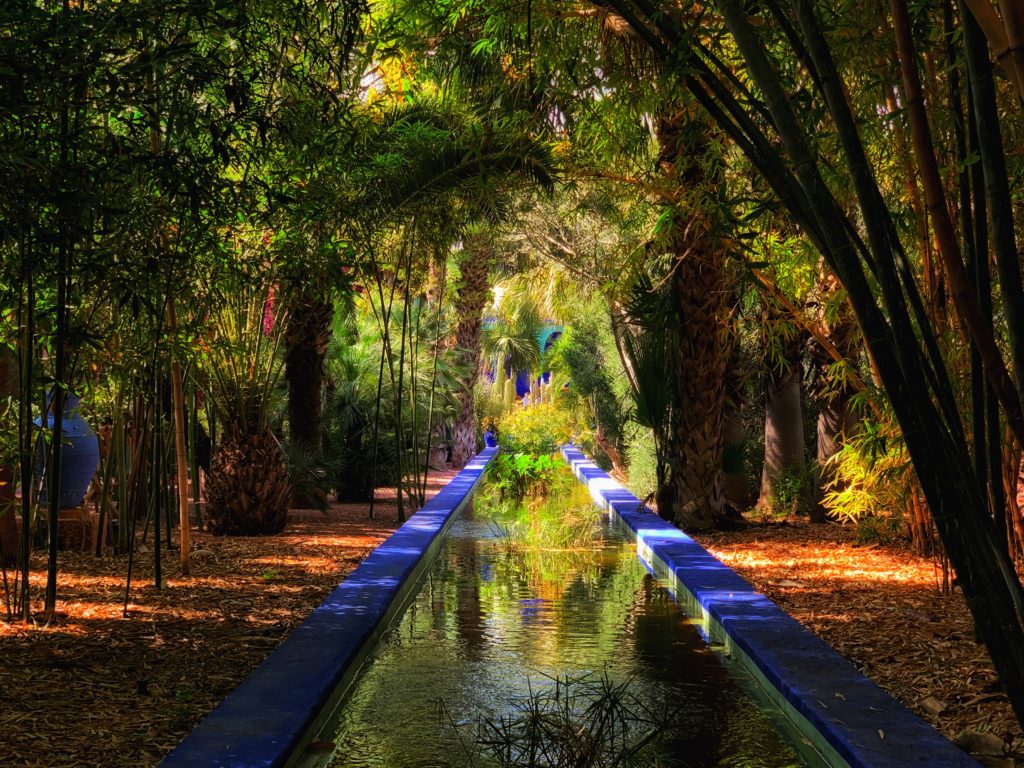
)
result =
(25, 429)
(998, 33)
(193, 440)
(181, 460)
(433, 383)
(157, 481)
(997, 192)
(972, 321)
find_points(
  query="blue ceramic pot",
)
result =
(490, 438)
(80, 454)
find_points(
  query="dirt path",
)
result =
(881, 608)
(96, 689)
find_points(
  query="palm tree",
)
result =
(471, 297)
(414, 164)
(307, 336)
(248, 486)
(701, 299)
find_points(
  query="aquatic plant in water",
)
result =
(590, 721)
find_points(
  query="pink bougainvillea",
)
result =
(268, 311)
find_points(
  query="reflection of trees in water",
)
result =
(469, 614)
(492, 618)
(722, 726)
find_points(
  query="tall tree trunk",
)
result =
(837, 418)
(784, 464)
(701, 294)
(737, 481)
(785, 467)
(307, 338)
(470, 299)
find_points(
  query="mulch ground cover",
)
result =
(96, 689)
(881, 607)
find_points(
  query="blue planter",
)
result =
(80, 455)
(522, 383)
(490, 438)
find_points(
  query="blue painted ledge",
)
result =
(831, 703)
(276, 711)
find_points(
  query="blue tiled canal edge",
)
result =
(848, 719)
(271, 717)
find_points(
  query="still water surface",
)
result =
(494, 620)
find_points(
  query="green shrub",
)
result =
(870, 476)
(517, 475)
(791, 492)
(538, 429)
(642, 463)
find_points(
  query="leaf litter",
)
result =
(94, 688)
(880, 607)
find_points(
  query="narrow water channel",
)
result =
(519, 598)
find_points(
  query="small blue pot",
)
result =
(490, 438)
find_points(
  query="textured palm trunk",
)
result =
(701, 294)
(470, 300)
(248, 487)
(701, 288)
(307, 338)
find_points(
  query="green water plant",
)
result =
(517, 475)
(590, 721)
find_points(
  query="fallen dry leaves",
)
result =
(880, 607)
(97, 689)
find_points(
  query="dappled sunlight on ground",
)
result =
(879, 606)
(95, 688)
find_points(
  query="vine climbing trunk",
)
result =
(470, 299)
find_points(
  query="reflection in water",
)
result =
(493, 620)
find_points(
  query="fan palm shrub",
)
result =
(248, 488)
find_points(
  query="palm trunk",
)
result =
(307, 338)
(696, 493)
(470, 300)
(700, 286)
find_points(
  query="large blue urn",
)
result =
(80, 454)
